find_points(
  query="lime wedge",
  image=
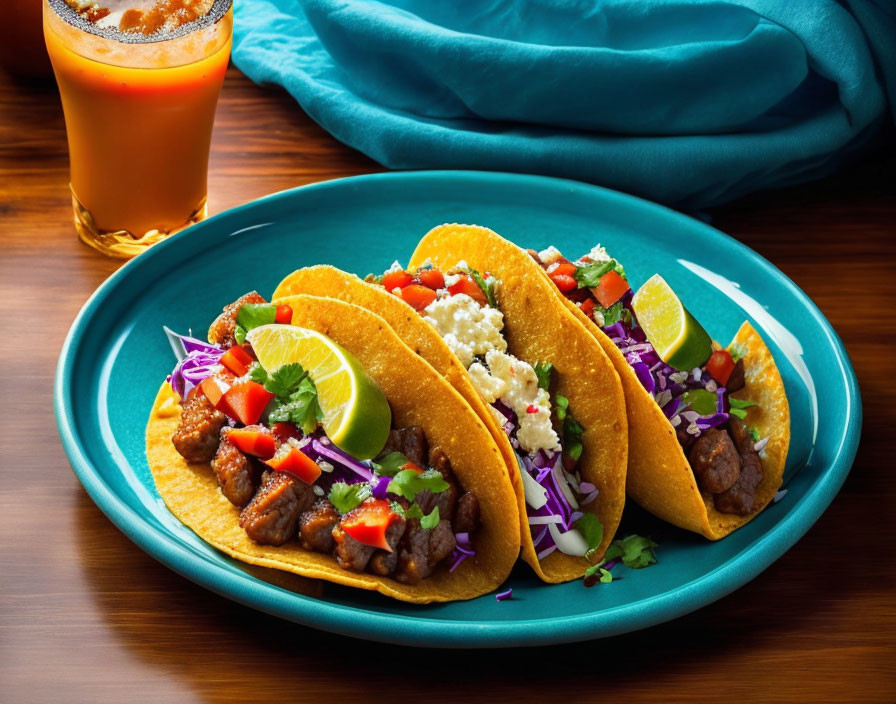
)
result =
(675, 334)
(357, 416)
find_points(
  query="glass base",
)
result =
(121, 243)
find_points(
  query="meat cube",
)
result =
(316, 526)
(736, 380)
(714, 461)
(466, 519)
(237, 474)
(445, 500)
(740, 499)
(221, 330)
(411, 442)
(384, 562)
(422, 550)
(271, 518)
(353, 555)
(198, 432)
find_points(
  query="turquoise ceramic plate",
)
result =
(116, 355)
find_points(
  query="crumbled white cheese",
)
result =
(549, 255)
(395, 267)
(452, 279)
(466, 327)
(325, 466)
(515, 384)
(597, 254)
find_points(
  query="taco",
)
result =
(309, 438)
(560, 423)
(709, 426)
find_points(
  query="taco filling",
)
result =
(462, 305)
(402, 514)
(723, 452)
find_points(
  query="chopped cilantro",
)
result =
(285, 380)
(614, 313)
(257, 373)
(754, 434)
(431, 521)
(738, 405)
(597, 573)
(543, 372)
(346, 497)
(572, 429)
(296, 395)
(487, 285)
(589, 275)
(592, 530)
(397, 508)
(635, 551)
(408, 483)
(738, 352)
(239, 334)
(391, 464)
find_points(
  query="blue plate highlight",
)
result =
(116, 355)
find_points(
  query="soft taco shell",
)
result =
(660, 478)
(418, 396)
(540, 329)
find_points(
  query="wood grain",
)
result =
(85, 616)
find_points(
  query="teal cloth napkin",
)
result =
(687, 102)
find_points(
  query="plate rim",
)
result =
(414, 630)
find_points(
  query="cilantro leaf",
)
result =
(431, 521)
(635, 551)
(597, 573)
(301, 407)
(408, 483)
(543, 372)
(257, 373)
(253, 315)
(239, 334)
(561, 404)
(285, 380)
(346, 497)
(397, 508)
(414, 511)
(738, 352)
(592, 530)
(741, 403)
(589, 275)
(391, 464)
(754, 434)
(487, 285)
(614, 313)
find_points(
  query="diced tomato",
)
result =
(587, 307)
(417, 296)
(562, 267)
(564, 282)
(283, 315)
(214, 388)
(253, 442)
(431, 278)
(368, 523)
(612, 287)
(466, 285)
(396, 279)
(413, 466)
(297, 463)
(237, 360)
(720, 365)
(284, 431)
(245, 402)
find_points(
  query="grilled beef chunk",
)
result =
(273, 514)
(736, 380)
(740, 499)
(715, 461)
(352, 555)
(237, 474)
(384, 562)
(466, 520)
(316, 526)
(197, 434)
(422, 550)
(411, 442)
(221, 331)
(445, 500)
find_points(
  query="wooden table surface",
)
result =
(86, 616)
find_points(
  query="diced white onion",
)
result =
(536, 494)
(571, 542)
(544, 520)
(557, 471)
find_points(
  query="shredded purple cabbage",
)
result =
(200, 361)
(504, 596)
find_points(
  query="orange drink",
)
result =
(139, 108)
